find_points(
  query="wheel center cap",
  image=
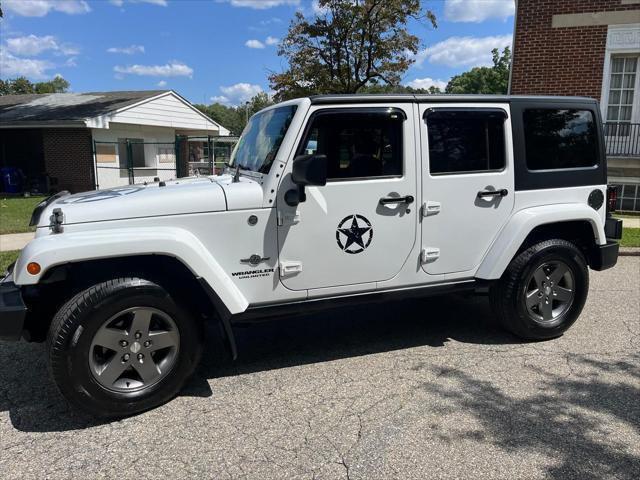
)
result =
(135, 347)
(547, 291)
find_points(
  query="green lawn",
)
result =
(7, 258)
(15, 214)
(630, 237)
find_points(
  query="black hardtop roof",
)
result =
(441, 98)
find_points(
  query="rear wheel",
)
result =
(122, 347)
(543, 290)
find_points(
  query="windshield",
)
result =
(261, 139)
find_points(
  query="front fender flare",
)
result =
(522, 223)
(72, 247)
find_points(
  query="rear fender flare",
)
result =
(522, 223)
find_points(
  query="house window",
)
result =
(137, 153)
(621, 93)
(465, 141)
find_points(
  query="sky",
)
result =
(212, 50)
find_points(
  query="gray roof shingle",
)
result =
(66, 107)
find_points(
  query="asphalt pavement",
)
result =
(411, 390)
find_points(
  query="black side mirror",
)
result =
(308, 170)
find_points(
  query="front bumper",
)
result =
(12, 310)
(604, 256)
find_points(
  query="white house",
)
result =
(80, 141)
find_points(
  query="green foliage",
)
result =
(398, 89)
(484, 79)
(630, 237)
(7, 258)
(15, 213)
(22, 86)
(235, 118)
(351, 44)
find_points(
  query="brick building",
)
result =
(587, 48)
(83, 141)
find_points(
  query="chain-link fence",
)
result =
(130, 161)
(208, 155)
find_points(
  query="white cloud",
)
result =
(427, 82)
(40, 8)
(237, 94)
(271, 40)
(271, 20)
(463, 51)
(162, 83)
(172, 69)
(263, 4)
(130, 50)
(478, 10)
(254, 43)
(119, 3)
(317, 9)
(34, 45)
(11, 66)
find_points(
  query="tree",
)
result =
(22, 86)
(57, 85)
(234, 118)
(349, 45)
(399, 89)
(484, 79)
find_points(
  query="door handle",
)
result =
(389, 200)
(493, 193)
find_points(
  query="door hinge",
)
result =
(288, 219)
(290, 268)
(429, 254)
(430, 208)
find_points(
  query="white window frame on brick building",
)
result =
(623, 42)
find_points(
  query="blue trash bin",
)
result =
(11, 179)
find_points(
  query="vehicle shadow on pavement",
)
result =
(35, 405)
(356, 331)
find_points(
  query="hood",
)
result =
(182, 196)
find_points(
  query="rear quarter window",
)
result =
(560, 138)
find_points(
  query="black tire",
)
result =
(508, 295)
(72, 331)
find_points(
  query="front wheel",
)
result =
(543, 290)
(122, 347)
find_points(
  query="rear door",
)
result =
(468, 183)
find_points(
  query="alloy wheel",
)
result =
(134, 349)
(549, 291)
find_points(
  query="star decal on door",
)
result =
(354, 234)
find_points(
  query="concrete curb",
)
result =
(629, 252)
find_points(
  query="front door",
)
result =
(468, 184)
(361, 226)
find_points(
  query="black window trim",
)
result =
(499, 110)
(326, 111)
(569, 169)
(526, 179)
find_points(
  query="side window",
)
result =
(556, 139)
(358, 144)
(465, 141)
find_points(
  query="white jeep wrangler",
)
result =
(327, 200)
